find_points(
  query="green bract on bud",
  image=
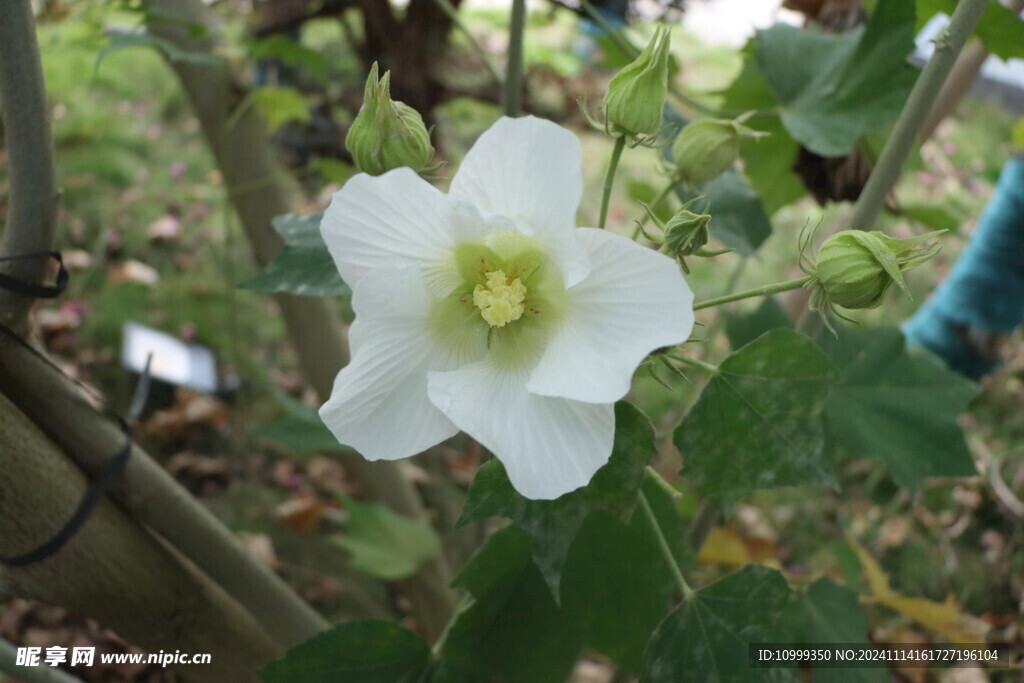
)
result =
(686, 231)
(636, 95)
(705, 149)
(854, 269)
(684, 234)
(387, 134)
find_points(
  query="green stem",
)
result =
(654, 476)
(453, 14)
(609, 179)
(897, 147)
(763, 290)
(655, 203)
(511, 92)
(666, 551)
(697, 363)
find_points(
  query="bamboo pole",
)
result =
(112, 569)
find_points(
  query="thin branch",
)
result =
(513, 86)
(33, 190)
(763, 290)
(962, 75)
(890, 163)
(666, 550)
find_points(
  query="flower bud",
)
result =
(636, 95)
(387, 134)
(855, 268)
(686, 231)
(707, 148)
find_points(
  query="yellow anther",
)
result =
(500, 301)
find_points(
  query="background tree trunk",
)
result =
(258, 190)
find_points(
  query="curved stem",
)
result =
(697, 363)
(654, 476)
(948, 45)
(609, 180)
(763, 290)
(666, 551)
(33, 189)
(511, 93)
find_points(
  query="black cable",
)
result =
(115, 467)
(36, 290)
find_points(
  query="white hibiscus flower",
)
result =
(486, 310)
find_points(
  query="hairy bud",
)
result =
(705, 149)
(387, 134)
(636, 95)
(854, 269)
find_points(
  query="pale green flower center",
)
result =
(508, 300)
(500, 301)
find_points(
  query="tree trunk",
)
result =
(258, 190)
(410, 48)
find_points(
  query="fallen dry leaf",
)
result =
(132, 271)
(302, 514)
(944, 618)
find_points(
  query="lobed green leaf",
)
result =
(304, 266)
(705, 639)
(553, 524)
(898, 406)
(357, 652)
(510, 629)
(386, 544)
(757, 423)
(834, 89)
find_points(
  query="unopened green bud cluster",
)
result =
(387, 134)
(854, 269)
(636, 95)
(705, 149)
(684, 234)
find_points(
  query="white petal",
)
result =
(531, 171)
(549, 446)
(395, 219)
(633, 301)
(379, 404)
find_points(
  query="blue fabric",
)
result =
(985, 288)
